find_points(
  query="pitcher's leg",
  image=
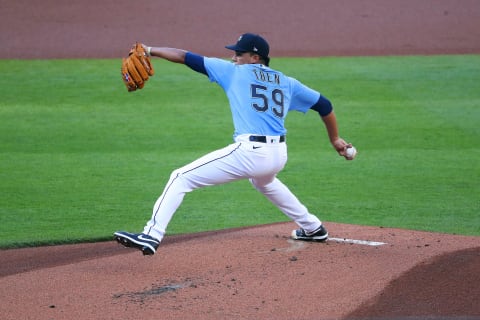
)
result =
(166, 205)
(215, 168)
(287, 202)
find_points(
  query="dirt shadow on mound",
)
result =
(447, 285)
(29, 259)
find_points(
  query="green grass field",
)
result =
(81, 158)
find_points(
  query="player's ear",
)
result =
(255, 58)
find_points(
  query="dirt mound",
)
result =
(248, 273)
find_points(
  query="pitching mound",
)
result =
(250, 273)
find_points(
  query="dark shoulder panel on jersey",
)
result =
(195, 62)
(323, 106)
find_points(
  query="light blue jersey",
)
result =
(259, 96)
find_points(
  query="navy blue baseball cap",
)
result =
(250, 42)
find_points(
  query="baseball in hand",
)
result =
(350, 153)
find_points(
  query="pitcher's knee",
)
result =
(184, 181)
(177, 181)
(175, 174)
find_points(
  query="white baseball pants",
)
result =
(259, 162)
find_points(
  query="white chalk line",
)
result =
(353, 241)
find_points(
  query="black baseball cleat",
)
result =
(321, 234)
(143, 242)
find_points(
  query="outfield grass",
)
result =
(80, 157)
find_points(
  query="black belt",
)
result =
(263, 139)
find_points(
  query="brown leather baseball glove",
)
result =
(136, 68)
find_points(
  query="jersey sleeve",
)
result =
(303, 97)
(195, 62)
(323, 106)
(219, 71)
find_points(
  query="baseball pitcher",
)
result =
(260, 98)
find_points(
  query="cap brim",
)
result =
(234, 47)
